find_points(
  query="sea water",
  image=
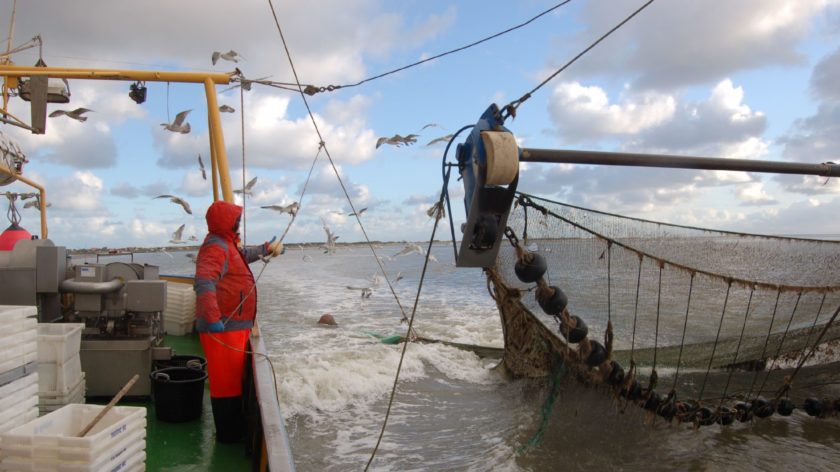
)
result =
(451, 410)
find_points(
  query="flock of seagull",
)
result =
(181, 126)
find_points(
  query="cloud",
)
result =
(126, 190)
(79, 193)
(582, 113)
(824, 81)
(683, 42)
(754, 194)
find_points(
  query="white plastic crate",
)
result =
(176, 328)
(59, 377)
(27, 402)
(54, 437)
(18, 352)
(58, 342)
(122, 455)
(11, 313)
(47, 403)
(15, 328)
(26, 415)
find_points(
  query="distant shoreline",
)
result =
(110, 251)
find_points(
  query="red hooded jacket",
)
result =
(224, 284)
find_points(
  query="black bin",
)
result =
(178, 393)
(182, 361)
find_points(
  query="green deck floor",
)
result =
(189, 446)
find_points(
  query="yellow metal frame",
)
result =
(218, 154)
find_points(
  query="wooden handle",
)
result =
(110, 405)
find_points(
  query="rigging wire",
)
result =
(738, 347)
(410, 324)
(335, 169)
(782, 341)
(242, 131)
(510, 108)
(312, 90)
(685, 327)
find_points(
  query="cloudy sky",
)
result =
(753, 79)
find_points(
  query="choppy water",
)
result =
(451, 411)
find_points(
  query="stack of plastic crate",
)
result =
(179, 314)
(18, 366)
(52, 443)
(60, 377)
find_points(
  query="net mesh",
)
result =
(674, 296)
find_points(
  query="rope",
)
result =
(816, 343)
(609, 282)
(738, 347)
(12, 213)
(312, 90)
(814, 325)
(242, 131)
(717, 338)
(781, 342)
(636, 310)
(656, 330)
(445, 172)
(767, 339)
(510, 109)
(545, 411)
(408, 334)
(332, 164)
(685, 326)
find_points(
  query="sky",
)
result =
(749, 79)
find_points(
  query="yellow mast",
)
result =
(218, 153)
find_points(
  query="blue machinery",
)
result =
(488, 161)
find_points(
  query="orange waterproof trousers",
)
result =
(225, 352)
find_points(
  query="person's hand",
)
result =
(216, 327)
(275, 248)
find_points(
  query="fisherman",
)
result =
(226, 305)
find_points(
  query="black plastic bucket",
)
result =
(178, 393)
(196, 362)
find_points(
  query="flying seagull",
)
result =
(178, 126)
(409, 249)
(201, 166)
(75, 114)
(329, 246)
(231, 55)
(227, 109)
(179, 201)
(291, 208)
(442, 139)
(366, 291)
(248, 187)
(397, 140)
(358, 213)
(36, 203)
(176, 236)
(191, 256)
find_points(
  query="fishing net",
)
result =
(660, 297)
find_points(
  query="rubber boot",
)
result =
(229, 419)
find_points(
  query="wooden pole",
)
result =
(110, 405)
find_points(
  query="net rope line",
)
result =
(738, 347)
(717, 339)
(526, 201)
(685, 328)
(779, 349)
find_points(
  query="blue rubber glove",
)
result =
(216, 327)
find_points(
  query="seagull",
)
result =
(191, 257)
(176, 236)
(366, 291)
(398, 277)
(358, 213)
(409, 249)
(227, 109)
(36, 203)
(231, 55)
(192, 238)
(201, 166)
(291, 208)
(248, 187)
(179, 201)
(245, 83)
(430, 125)
(442, 139)
(397, 140)
(329, 246)
(75, 114)
(178, 126)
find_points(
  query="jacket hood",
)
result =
(221, 217)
